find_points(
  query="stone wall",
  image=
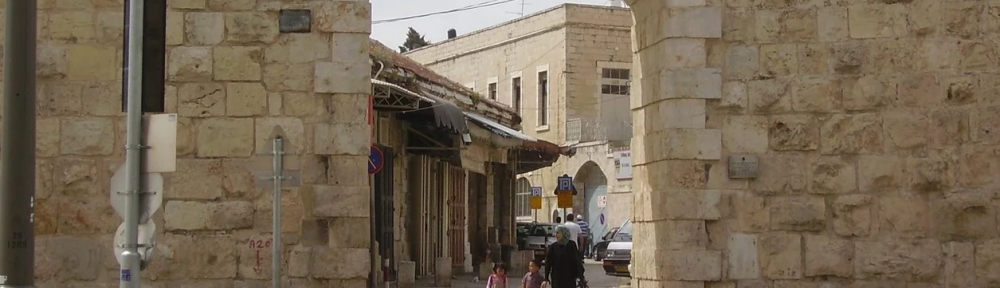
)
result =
(875, 123)
(231, 77)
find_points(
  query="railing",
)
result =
(580, 130)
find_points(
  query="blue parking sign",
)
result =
(565, 183)
(536, 191)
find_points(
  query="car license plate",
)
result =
(607, 263)
(621, 268)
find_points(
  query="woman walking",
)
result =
(563, 263)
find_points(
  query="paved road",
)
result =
(595, 278)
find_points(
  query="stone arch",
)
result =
(592, 185)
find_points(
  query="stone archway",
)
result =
(866, 145)
(592, 185)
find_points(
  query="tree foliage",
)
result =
(413, 41)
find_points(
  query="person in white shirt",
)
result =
(574, 230)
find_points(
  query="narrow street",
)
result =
(595, 277)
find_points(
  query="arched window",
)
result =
(522, 198)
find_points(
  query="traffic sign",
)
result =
(151, 194)
(376, 160)
(601, 218)
(536, 191)
(147, 237)
(536, 202)
(602, 201)
(159, 135)
(565, 183)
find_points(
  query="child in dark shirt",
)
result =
(533, 279)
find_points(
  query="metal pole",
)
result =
(278, 151)
(371, 247)
(130, 268)
(17, 180)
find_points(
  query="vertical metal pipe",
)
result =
(130, 270)
(371, 246)
(278, 151)
(17, 179)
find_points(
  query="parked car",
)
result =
(618, 260)
(540, 237)
(601, 248)
(523, 229)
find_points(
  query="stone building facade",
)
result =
(231, 78)
(874, 123)
(573, 44)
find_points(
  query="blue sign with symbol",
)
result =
(565, 183)
(602, 219)
(536, 191)
(375, 160)
(127, 275)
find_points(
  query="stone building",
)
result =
(231, 77)
(566, 70)
(447, 197)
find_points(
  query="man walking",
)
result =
(585, 236)
(574, 232)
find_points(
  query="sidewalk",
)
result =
(464, 281)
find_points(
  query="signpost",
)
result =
(277, 178)
(565, 192)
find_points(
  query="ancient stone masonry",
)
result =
(876, 123)
(232, 77)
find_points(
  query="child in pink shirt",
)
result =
(499, 277)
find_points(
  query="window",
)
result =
(615, 81)
(515, 88)
(543, 98)
(522, 198)
(492, 90)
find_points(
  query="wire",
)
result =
(466, 8)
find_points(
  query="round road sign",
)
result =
(375, 160)
(601, 218)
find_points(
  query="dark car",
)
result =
(618, 260)
(601, 248)
(523, 229)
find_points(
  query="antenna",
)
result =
(521, 14)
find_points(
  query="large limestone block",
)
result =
(205, 28)
(344, 17)
(988, 262)
(677, 265)
(852, 134)
(791, 177)
(341, 201)
(833, 175)
(909, 260)
(293, 129)
(298, 48)
(680, 204)
(964, 216)
(795, 25)
(74, 177)
(828, 256)
(175, 28)
(832, 24)
(195, 257)
(187, 4)
(195, 179)
(816, 94)
(86, 136)
(63, 258)
(781, 256)
(189, 216)
(68, 26)
(777, 60)
(251, 27)
(232, 5)
(289, 77)
(442, 272)
(743, 257)
(745, 134)
(92, 63)
(225, 137)
(672, 234)
(340, 263)
(83, 216)
(341, 139)
(934, 173)
(852, 215)
(903, 216)
(343, 170)
(959, 265)
(189, 64)
(798, 213)
(770, 96)
(793, 133)
(752, 214)
(698, 83)
(237, 63)
(742, 62)
(877, 21)
(686, 144)
(246, 99)
(678, 114)
(350, 232)
(985, 120)
(880, 174)
(342, 77)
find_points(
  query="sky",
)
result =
(435, 28)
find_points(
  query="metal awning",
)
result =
(389, 96)
(498, 128)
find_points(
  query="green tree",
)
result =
(413, 41)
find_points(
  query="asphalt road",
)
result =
(595, 279)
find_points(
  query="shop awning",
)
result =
(389, 96)
(498, 128)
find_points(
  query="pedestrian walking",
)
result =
(534, 278)
(574, 233)
(499, 277)
(562, 261)
(586, 238)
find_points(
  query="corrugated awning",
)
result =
(446, 114)
(498, 128)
